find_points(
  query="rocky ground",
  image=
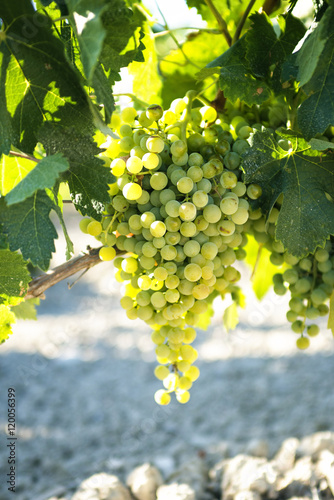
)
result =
(84, 395)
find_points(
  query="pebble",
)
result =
(175, 492)
(144, 481)
(245, 473)
(102, 487)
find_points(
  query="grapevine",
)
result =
(175, 192)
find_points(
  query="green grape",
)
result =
(159, 181)
(107, 253)
(303, 343)
(313, 330)
(298, 326)
(222, 147)
(185, 185)
(94, 228)
(187, 211)
(254, 191)
(191, 248)
(212, 213)
(229, 204)
(155, 144)
(132, 191)
(154, 112)
(150, 161)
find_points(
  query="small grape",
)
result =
(107, 253)
(303, 343)
(162, 397)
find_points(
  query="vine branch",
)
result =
(242, 21)
(24, 155)
(84, 262)
(221, 23)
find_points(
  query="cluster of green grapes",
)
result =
(310, 281)
(178, 210)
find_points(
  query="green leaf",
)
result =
(304, 177)
(6, 318)
(206, 72)
(87, 177)
(146, 79)
(29, 228)
(231, 317)
(258, 258)
(12, 170)
(14, 275)
(26, 309)
(205, 318)
(236, 78)
(122, 43)
(265, 49)
(85, 17)
(43, 176)
(102, 86)
(308, 56)
(320, 145)
(182, 65)
(316, 113)
(44, 87)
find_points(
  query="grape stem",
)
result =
(242, 21)
(19, 154)
(39, 285)
(221, 23)
(257, 261)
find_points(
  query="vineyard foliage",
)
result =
(59, 64)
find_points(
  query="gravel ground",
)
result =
(84, 388)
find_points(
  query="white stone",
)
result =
(245, 473)
(175, 492)
(247, 495)
(144, 481)
(102, 487)
(297, 481)
(314, 444)
(285, 457)
(325, 468)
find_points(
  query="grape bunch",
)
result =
(178, 208)
(310, 281)
(177, 223)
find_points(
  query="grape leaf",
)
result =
(231, 317)
(14, 276)
(29, 228)
(308, 56)
(85, 17)
(121, 45)
(316, 113)
(102, 85)
(236, 78)
(146, 80)
(321, 145)
(87, 176)
(304, 177)
(182, 66)
(6, 318)
(206, 317)
(37, 82)
(265, 49)
(12, 170)
(26, 309)
(43, 176)
(258, 258)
